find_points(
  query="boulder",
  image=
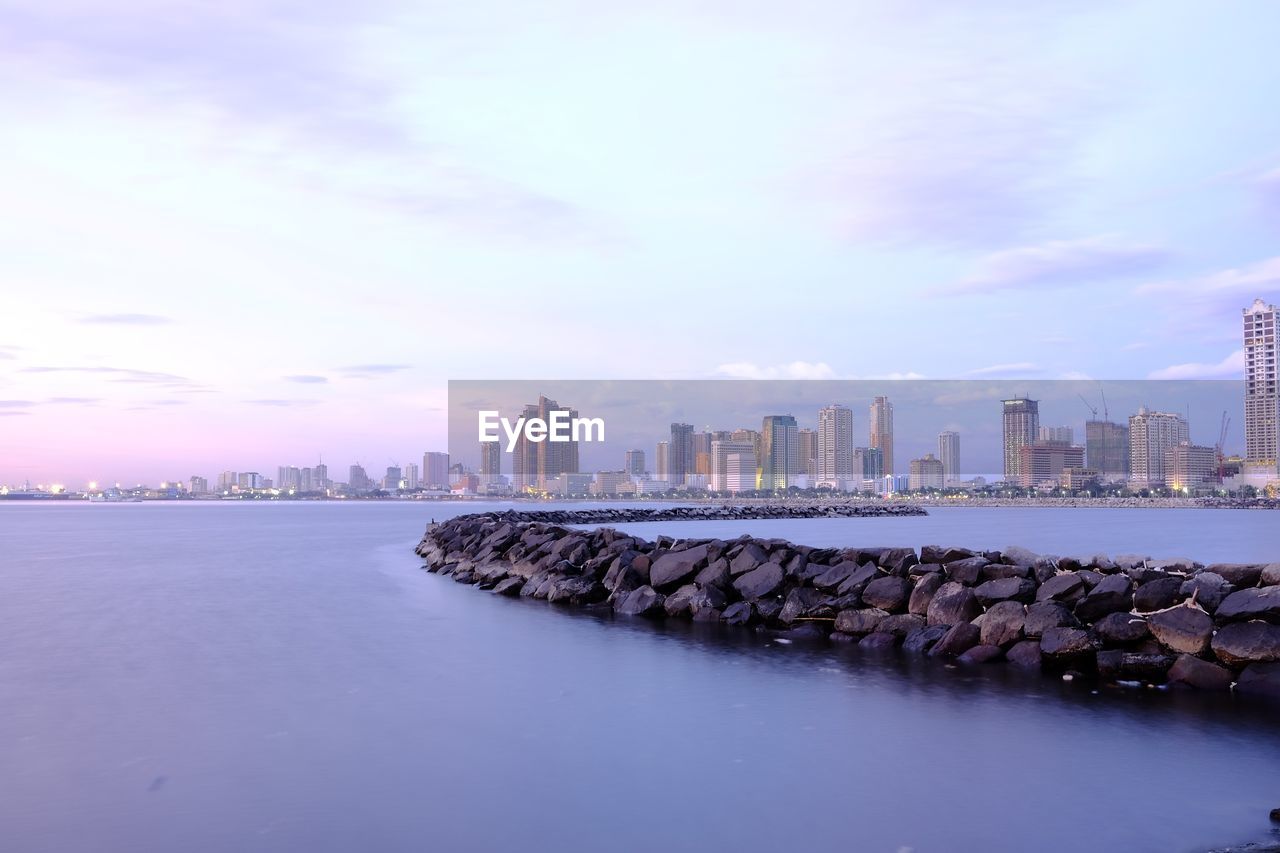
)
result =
(1025, 654)
(715, 574)
(1200, 674)
(739, 613)
(958, 640)
(1068, 588)
(898, 561)
(858, 579)
(1066, 643)
(1122, 665)
(966, 571)
(1047, 614)
(1260, 603)
(1121, 629)
(922, 640)
(941, 554)
(995, 571)
(806, 603)
(981, 654)
(900, 625)
(761, 582)
(676, 567)
(888, 593)
(1208, 588)
(1270, 575)
(1238, 575)
(750, 557)
(879, 642)
(1158, 594)
(1247, 642)
(1112, 593)
(1005, 589)
(862, 621)
(1261, 679)
(1019, 556)
(580, 589)
(643, 601)
(1185, 630)
(923, 592)
(832, 577)
(691, 599)
(1002, 624)
(952, 604)
(510, 587)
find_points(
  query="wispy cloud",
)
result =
(1231, 367)
(126, 319)
(1012, 369)
(116, 374)
(1059, 263)
(74, 401)
(16, 404)
(1234, 287)
(307, 379)
(792, 370)
(12, 413)
(281, 403)
(364, 371)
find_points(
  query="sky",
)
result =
(243, 235)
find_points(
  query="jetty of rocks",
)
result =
(1125, 619)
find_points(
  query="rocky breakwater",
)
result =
(1130, 619)
(737, 512)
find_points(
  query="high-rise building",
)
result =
(199, 486)
(662, 461)
(490, 462)
(1261, 385)
(535, 463)
(1063, 434)
(680, 459)
(306, 479)
(748, 435)
(435, 470)
(730, 459)
(868, 463)
(411, 478)
(949, 454)
(250, 480)
(779, 452)
(1042, 462)
(228, 480)
(391, 480)
(925, 473)
(1021, 425)
(881, 431)
(1189, 466)
(357, 479)
(835, 444)
(634, 463)
(1106, 447)
(1151, 434)
(321, 477)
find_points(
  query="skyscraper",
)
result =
(835, 444)
(807, 453)
(779, 452)
(412, 478)
(881, 431)
(1261, 385)
(435, 470)
(1063, 434)
(535, 463)
(702, 453)
(490, 463)
(949, 454)
(357, 479)
(729, 461)
(1021, 425)
(680, 459)
(662, 462)
(925, 473)
(1151, 435)
(634, 464)
(1106, 447)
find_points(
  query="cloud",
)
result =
(1017, 368)
(793, 370)
(1059, 263)
(74, 401)
(280, 403)
(307, 379)
(16, 404)
(126, 319)
(365, 371)
(1234, 288)
(118, 374)
(12, 413)
(1231, 367)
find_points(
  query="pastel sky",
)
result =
(239, 235)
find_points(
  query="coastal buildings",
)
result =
(1190, 466)
(199, 486)
(1106, 447)
(490, 463)
(1151, 435)
(779, 452)
(807, 453)
(925, 473)
(881, 431)
(1042, 463)
(680, 458)
(435, 470)
(949, 453)
(534, 464)
(411, 480)
(1262, 386)
(835, 444)
(662, 469)
(1063, 434)
(733, 466)
(868, 463)
(1021, 426)
(633, 463)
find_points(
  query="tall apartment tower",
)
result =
(536, 463)
(835, 444)
(490, 462)
(680, 458)
(662, 462)
(435, 469)
(1106, 446)
(949, 453)
(1061, 434)
(779, 452)
(1151, 436)
(1261, 388)
(733, 466)
(881, 433)
(1021, 426)
(807, 453)
(633, 462)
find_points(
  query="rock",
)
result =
(1200, 674)
(644, 601)
(580, 589)
(923, 592)
(858, 579)
(898, 561)
(940, 554)
(1270, 575)
(995, 571)
(1238, 575)
(966, 571)
(958, 640)
(691, 599)
(715, 574)
(1025, 654)
(888, 593)
(1019, 556)
(1111, 594)
(761, 582)
(1002, 624)
(981, 654)
(952, 604)
(1067, 588)
(675, 567)
(749, 558)
(862, 621)
(922, 640)
(1247, 642)
(1158, 594)
(879, 642)
(806, 603)
(1121, 629)
(1123, 665)
(739, 613)
(1260, 603)
(1065, 643)
(900, 625)
(836, 575)
(768, 608)
(1182, 629)
(1005, 589)
(1047, 614)
(510, 587)
(1208, 588)
(1261, 679)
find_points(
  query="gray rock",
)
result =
(1200, 674)
(1260, 603)
(1121, 629)
(900, 625)
(995, 571)
(1019, 556)
(1112, 593)
(749, 558)
(952, 604)
(739, 613)
(715, 574)
(1066, 643)
(862, 621)
(1270, 575)
(691, 599)
(1002, 624)
(1261, 679)
(981, 654)
(1247, 642)
(675, 567)
(1005, 589)
(958, 640)
(858, 579)
(580, 589)
(509, 587)
(1047, 614)
(941, 554)
(1025, 654)
(1068, 588)
(760, 583)
(879, 642)
(1185, 630)
(806, 603)
(921, 641)
(888, 593)
(1123, 665)
(644, 601)
(1238, 575)
(923, 592)
(1208, 588)
(1158, 594)
(836, 575)
(966, 571)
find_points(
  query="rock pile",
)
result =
(1123, 619)
(705, 513)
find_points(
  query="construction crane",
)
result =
(1093, 410)
(1222, 440)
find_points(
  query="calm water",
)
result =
(283, 678)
